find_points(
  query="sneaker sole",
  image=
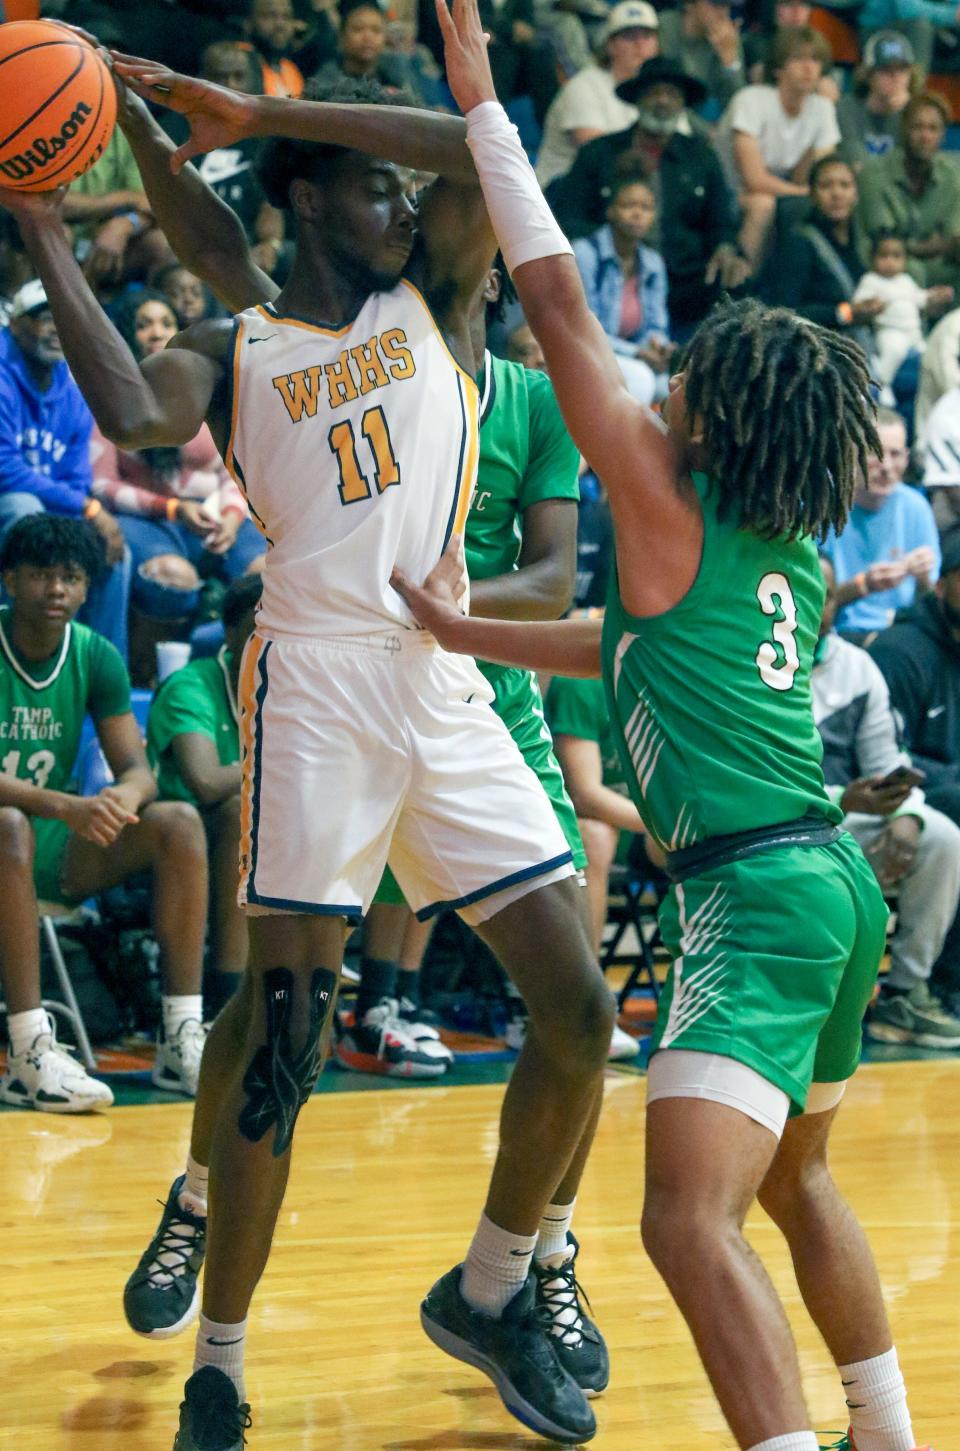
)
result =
(528, 1415)
(89, 1105)
(167, 1332)
(369, 1063)
(887, 1033)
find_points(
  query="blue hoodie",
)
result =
(44, 437)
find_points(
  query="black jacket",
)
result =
(697, 209)
(797, 276)
(921, 663)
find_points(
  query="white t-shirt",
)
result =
(941, 455)
(905, 300)
(588, 101)
(756, 111)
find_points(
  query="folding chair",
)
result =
(630, 887)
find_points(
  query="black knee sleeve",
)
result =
(279, 1081)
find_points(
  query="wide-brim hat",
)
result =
(660, 70)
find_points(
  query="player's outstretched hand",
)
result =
(465, 53)
(37, 204)
(436, 604)
(217, 116)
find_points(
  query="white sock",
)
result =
(222, 1346)
(877, 1401)
(552, 1239)
(193, 1195)
(796, 1441)
(23, 1028)
(496, 1267)
(179, 1009)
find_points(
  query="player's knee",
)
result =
(678, 1234)
(16, 840)
(789, 1190)
(171, 571)
(287, 1055)
(177, 829)
(599, 842)
(576, 1028)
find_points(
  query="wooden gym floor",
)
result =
(385, 1190)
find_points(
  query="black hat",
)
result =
(950, 549)
(670, 72)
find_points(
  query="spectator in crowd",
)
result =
(316, 41)
(522, 347)
(60, 847)
(193, 742)
(915, 192)
(705, 39)
(588, 105)
(898, 327)
(696, 225)
(15, 268)
(45, 429)
(115, 237)
(521, 64)
(920, 660)
(913, 848)
(941, 455)
(770, 136)
(362, 53)
(574, 29)
(626, 287)
(183, 517)
(917, 19)
(889, 552)
(870, 115)
(272, 28)
(184, 291)
(778, 15)
(939, 372)
(814, 267)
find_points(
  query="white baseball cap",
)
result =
(30, 298)
(631, 15)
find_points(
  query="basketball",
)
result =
(57, 105)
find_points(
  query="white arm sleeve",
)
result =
(525, 226)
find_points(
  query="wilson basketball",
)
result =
(57, 105)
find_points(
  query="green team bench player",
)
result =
(193, 742)
(60, 847)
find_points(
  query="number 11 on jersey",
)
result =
(354, 484)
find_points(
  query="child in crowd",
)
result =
(898, 329)
(626, 286)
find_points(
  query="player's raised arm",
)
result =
(622, 440)
(166, 401)
(206, 235)
(422, 140)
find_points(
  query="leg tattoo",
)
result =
(278, 1081)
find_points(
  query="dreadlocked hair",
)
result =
(788, 418)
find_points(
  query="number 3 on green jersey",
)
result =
(777, 660)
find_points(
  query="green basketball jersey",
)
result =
(42, 704)
(711, 701)
(526, 455)
(198, 699)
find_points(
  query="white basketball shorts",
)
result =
(365, 749)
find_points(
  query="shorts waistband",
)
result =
(719, 851)
(386, 642)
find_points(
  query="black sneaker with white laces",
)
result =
(162, 1297)
(212, 1416)
(517, 1352)
(580, 1347)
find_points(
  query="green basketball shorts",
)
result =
(774, 960)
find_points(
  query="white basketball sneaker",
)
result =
(47, 1077)
(177, 1064)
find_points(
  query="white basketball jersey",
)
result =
(356, 448)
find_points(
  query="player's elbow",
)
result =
(135, 428)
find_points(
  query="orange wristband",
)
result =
(92, 508)
(860, 580)
(844, 313)
(172, 507)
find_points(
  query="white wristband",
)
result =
(524, 224)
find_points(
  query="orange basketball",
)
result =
(57, 105)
